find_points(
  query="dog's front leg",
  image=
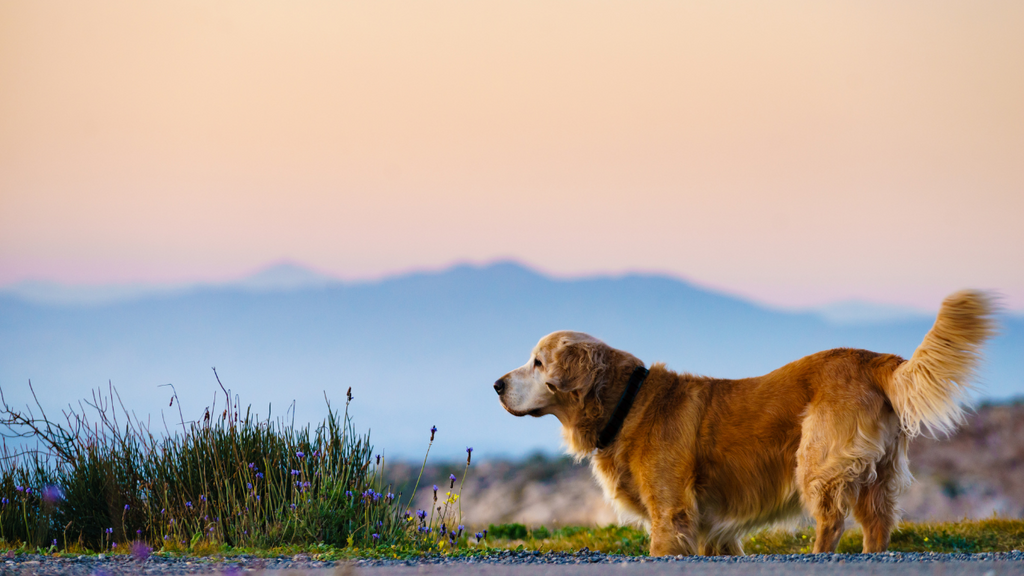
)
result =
(673, 533)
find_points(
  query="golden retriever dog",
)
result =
(702, 461)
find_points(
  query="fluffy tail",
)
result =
(928, 388)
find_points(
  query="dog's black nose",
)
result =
(499, 386)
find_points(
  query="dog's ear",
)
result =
(579, 365)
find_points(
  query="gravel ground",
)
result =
(583, 563)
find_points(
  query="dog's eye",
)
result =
(537, 363)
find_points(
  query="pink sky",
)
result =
(795, 153)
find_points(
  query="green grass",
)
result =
(991, 535)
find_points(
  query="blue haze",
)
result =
(417, 350)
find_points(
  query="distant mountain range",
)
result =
(418, 350)
(281, 277)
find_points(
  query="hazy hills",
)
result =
(418, 350)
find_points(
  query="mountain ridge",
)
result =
(288, 275)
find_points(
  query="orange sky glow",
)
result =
(792, 152)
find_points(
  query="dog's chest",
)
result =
(619, 489)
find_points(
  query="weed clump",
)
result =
(106, 482)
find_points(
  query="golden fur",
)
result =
(701, 461)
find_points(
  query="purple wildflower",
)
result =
(300, 455)
(452, 478)
(52, 495)
(422, 514)
(433, 430)
(479, 536)
(140, 552)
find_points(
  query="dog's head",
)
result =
(563, 366)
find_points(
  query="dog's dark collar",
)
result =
(611, 429)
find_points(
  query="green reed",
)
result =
(105, 480)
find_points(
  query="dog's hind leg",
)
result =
(830, 516)
(827, 468)
(875, 511)
(840, 450)
(825, 491)
(876, 508)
